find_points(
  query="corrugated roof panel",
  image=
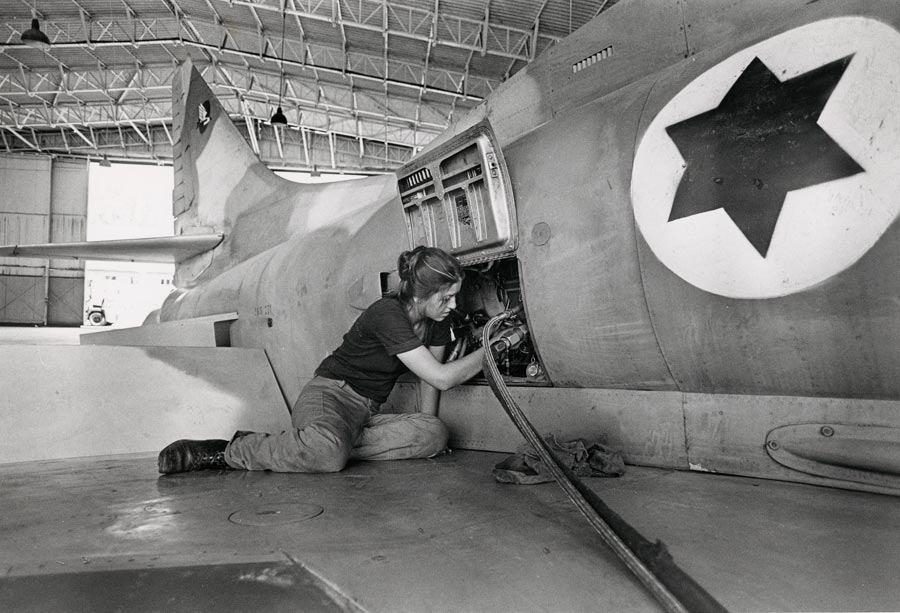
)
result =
(520, 15)
(320, 31)
(407, 49)
(365, 41)
(562, 17)
(470, 9)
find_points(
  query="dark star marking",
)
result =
(761, 142)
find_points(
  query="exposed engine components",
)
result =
(490, 289)
(509, 339)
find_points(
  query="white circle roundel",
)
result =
(778, 167)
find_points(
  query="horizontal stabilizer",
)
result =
(208, 331)
(165, 249)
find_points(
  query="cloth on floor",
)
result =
(583, 458)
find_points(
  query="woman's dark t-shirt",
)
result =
(367, 358)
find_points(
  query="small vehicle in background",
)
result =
(95, 314)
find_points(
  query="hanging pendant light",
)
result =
(33, 37)
(278, 117)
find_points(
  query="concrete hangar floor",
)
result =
(110, 534)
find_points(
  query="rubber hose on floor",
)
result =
(650, 562)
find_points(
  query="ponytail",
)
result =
(424, 271)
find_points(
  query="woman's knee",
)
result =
(436, 433)
(330, 458)
(326, 451)
(331, 463)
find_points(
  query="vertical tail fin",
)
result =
(214, 166)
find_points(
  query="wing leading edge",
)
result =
(164, 249)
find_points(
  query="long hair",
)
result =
(425, 271)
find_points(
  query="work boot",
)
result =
(184, 455)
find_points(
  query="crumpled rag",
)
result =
(583, 458)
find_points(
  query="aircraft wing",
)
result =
(165, 249)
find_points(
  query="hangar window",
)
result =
(456, 197)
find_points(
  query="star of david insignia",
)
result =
(761, 142)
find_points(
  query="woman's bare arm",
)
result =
(437, 374)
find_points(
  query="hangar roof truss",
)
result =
(367, 83)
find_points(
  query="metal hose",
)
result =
(673, 589)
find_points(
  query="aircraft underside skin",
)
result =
(423, 535)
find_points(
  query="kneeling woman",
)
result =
(336, 416)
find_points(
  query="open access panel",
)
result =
(457, 197)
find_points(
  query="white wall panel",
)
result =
(68, 207)
(26, 184)
(24, 204)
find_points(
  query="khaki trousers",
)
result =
(332, 424)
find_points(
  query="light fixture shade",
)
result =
(278, 118)
(34, 37)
